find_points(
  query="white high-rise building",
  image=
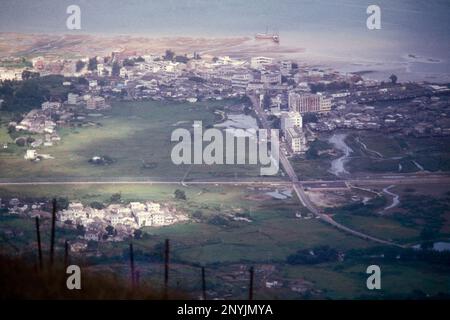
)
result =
(241, 80)
(296, 140)
(305, 103)
(291, 119)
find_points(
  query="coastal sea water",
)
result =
(333, 33)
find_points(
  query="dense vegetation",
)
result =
(315, 149)
(423, 210)
(360, 208)
(29, 94)
(25, 281)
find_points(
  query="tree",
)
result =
(63, 202)
(29, 75)
(21, 141)
(92, 64)
(81, 230)
(197, 214)
(92, 245)
(182, 59)
(128, 62)
(83, 81)
(109, 230)
(29, 94)
(137, 234)
(115, 71)
(266, 102)
(80, 65)
(276, 123)
(115, 198)
(310, 118)
(218, 221)
(27, 63)
(312, 153)
(169, 55)
(180, 194)
(393, 79)
(97, 205)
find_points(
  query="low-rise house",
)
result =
(78, 246)
(53, 106)
(92, 236)
(159, 220)
(153, 206)
(143, 218)
(137, 206)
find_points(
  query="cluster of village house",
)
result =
(51, 115)
(283, 86)
(267, 276)
(124, 218)
(206, 78)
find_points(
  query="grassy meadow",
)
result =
(273, 234)
(136, 135)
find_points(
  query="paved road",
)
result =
(298, 186)
(149, 182)
(300, 191)
(321, 184)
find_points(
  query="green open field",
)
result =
(274, 228)
(431, 153)
(420, 207)
(136, 135)
(384, 227)
(270, 238)
(383, 153)
(348, 279)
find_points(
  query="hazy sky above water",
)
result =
(224, 17)
(334, 28)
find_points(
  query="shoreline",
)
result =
(64, 45)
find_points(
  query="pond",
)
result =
(437, 246)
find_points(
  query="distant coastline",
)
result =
(408, 66)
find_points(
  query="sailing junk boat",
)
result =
(268, 36)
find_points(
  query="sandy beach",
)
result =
(65, 46)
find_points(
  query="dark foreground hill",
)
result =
(20, 279)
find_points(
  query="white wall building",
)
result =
(296, 140)
(260, 62)
(96, 103)
(307, 102)
(271, 78)
(50, 105)
(241, 80)
(72, 98)
(291, 119)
